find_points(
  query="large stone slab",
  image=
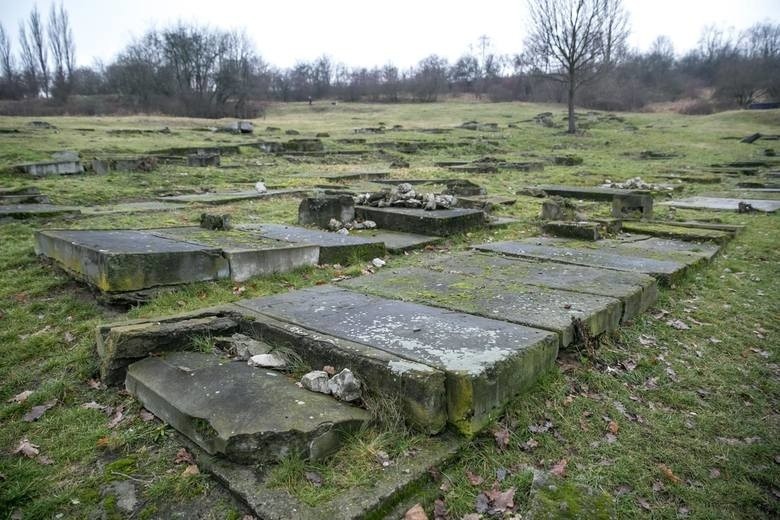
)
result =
(132, 207)
(55, 167)
(245, 414)
(334, 247)
(588, 193)
(443, 222)
(636, 291)
(534, 306)
(672, 230)
(22, 195)
(22, 211)
(396, 241)
(248, 254)
(723, 204)
(129, 260)
(486, 362)
(234, 196)
(607, 254)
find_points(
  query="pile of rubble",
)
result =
(405, 196)
(635, 183)
(345, 227)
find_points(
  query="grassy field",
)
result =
(655, 422)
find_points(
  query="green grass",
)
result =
(703, 402)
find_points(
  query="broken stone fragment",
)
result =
(378, 262)
(260, 187)
(316, 381)
(334, 224)
(267, 361)
(215, 222)
(343, 231)
(345, 386)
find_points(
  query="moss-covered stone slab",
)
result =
(23, 211)
(486, 362)
(692, 253)
(734, 229)
(396, 241)
(664, 266)
(132, 207)
(334, 247)
(245, 414)
(589, 193)
(444, 222)
(235, 196)
(129, 260)
(581, 230)
(677, 232)
(248, 254)
(22, 195)
(723, 204)
(485, 202)
(534, 306)
(396, 484)
(636, 291)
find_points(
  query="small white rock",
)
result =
(260, 187)
(316, 381)
(378, 262)
(343, 231)
(345, 386)
(266, 361)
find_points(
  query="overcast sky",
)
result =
(365, 32)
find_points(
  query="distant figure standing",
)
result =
(309, 100)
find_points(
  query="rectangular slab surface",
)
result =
(396, 241)
(539, 307)
(723, 204)
(636, 291)
(486, 362)
(441, 223)
(334, 247)
(20, 211)
(129, 260)
(235, 196)
(248, 415)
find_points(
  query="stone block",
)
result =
(443, 222)
(319, 210)
(581, 230)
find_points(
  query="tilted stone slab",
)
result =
(234, 196)
(441, 223)
(534, 306)
(663, 266)
(487, 362)
(589, 193)
(723, 204)
(677, 232)
(120, 344)
(636, 291)
(397, 241)
(132, 207)
(245, 414)
(22, 211)
(129, 260)
(64, 167)
(334, 247)
(248, 254)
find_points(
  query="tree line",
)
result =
(575, 50)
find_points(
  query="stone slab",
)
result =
(588, 193)
(347, 176)
(64, 167)
(671, 230)
(22, 211)
(636, 291)
(334, 247)
(442, 223)
(396, 241)
(247, 415)
(130, 260)
(734, 229)
(486, 202)
(486, 362)
(235, 196)
(723, 204)
(512, 301)
(664, 266)
(132, 207)
(582, 230)
(248, 254)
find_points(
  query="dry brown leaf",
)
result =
(644, 504)
(714, 473)
(416, 513)
(474, 480)
(440, 510)
(559, 468)
(36, 412)
(27, 449)
(530, 444)
(103, 442)
(613, 427)
(191, 471)
(92, 405)
(669, 474)
(118, 417)
(43, 459)
(502, 438)
(183, 456)
(95, 384)
(21, 397)
(678, 324)
(146, 415)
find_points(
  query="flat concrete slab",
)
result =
(132, 207)
(444, 222)
(334, 247)
(22, 211)
(234, 196)
(129, 260)
(588, 193)
(485, 201)
(723, 204)
(248, 254)
(396, 241)
(637, 291)
(671, 230)
(534, 306)
(22, 195)
(486, 362)
(608, 254)
(348, 176)
(245, 414)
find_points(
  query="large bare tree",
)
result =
(573, 41)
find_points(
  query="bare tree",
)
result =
(6, 58)
(29, 63)
(37, 42)
(573, 41)
(62, 50)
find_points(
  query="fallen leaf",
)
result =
(183, 456)
(146, 415)
(530, 444)
(440, 510)
(482, 503)
(669, 474)
(501, 474)
(314, 478)
(27, 449)
(678, 324)
(559, 468)
(102, 442)
(502, 438)
(68, 337)
(472, 516)
(92, 405)
(500, 501)
(117, 418)
(568, 400)
(36, 412)
(622, 490)
(95, 384)
(541, 427)
(714, 473)
(191, 471)
(43, 459)
(21, 397)
(645, 504)
(610, 438)
(613, 427)
(474, 480)
(416, 513)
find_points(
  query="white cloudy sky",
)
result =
(365, 32)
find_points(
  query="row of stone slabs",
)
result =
(453, 340)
